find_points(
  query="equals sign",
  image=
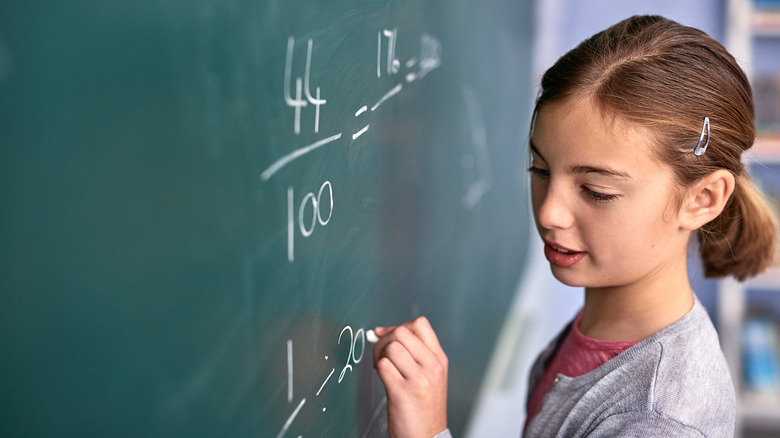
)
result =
(365, 128)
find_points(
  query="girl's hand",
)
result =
(413, 368)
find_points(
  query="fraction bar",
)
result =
(290, 420)
(287, 159)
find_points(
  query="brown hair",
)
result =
(668, 77)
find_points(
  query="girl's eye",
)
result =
(537, 171)
(598, 197)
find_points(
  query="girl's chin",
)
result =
(569, 280)
(575, 279)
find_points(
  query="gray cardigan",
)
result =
(675, 383)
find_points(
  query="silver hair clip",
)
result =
(700, 150)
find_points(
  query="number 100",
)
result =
(307, 227)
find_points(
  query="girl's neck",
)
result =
(633, 312)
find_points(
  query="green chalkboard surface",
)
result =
(205, 204)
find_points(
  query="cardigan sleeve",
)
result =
(443, 434)
(644, 424)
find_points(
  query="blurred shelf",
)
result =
(767, 147)
(769, 280)
(760, 410)
(765, 23)
(747, 22)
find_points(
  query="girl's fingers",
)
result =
(384, 339)
(388, 373)
(402, 359)
(417, 339)
(402, 337)
(381, 331)
(423, 333)
(421, 327)
(413, 368)
(416, 348)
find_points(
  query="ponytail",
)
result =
(742, 241)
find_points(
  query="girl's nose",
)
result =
(553, 210)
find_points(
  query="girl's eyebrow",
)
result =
(604, 171)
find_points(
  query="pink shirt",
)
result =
(577, 355)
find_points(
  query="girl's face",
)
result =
(602, 204)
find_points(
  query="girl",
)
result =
(635, 143)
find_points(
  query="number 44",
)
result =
(302, 88)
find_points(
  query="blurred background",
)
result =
(746, 315)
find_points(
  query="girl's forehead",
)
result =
(578, 133)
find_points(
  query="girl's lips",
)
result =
(562, 257)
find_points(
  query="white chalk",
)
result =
(372, 337)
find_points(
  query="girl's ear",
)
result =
(707, 199)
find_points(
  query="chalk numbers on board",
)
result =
(306, 219)
(313, 210)
(353, 341)
(302, 85)
(392, 65)
(301, 93)
(356, 341)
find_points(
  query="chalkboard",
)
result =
(206, 203)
